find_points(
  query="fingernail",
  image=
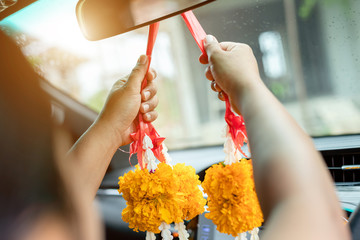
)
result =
(146, 95)
(209, 39)
(142, 59)
(145, 107)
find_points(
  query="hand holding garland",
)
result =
(158, 194)
(293, 185)
(92, 153)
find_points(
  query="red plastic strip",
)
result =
(144, 127)
(195, 28)
(235, 122)
(153, 30)
(236, 125)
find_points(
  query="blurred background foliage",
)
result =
(307, 6)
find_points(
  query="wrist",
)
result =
(246, 94)
(107, 133)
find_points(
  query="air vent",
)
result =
(343, 166)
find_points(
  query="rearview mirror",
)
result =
(99, 19)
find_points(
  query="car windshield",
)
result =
(308, 54)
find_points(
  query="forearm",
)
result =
(91, 155)
(289, 173)
(294, 187)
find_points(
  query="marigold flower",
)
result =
(167, 195)
(193, 203)
(151, 198)
(232, 200)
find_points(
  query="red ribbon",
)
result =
(235, 122)
(144, 127)
(236, 126)
(195, 28)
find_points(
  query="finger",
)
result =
(228, 46)
(138, 73)
(150, 105)
(203, 59)
(149, 91)
(208, 73)
(221, 96)
(150, 116)
(211, 45)
(215, 87)
(151, 75)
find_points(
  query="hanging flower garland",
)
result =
(166, 195)
(232, 199)
(151, 198)
(193, 200)
(158, 194)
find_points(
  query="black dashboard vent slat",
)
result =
(335, 160)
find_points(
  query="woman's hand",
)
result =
(290, 176)
(92, 153)
(126, 100)
(232, 68)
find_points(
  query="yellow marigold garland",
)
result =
(194, 202)
(232, 200)
(167, 195)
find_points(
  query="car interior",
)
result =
(308, 54)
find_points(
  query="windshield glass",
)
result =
(308, 54)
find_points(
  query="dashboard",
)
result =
(340, 153)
